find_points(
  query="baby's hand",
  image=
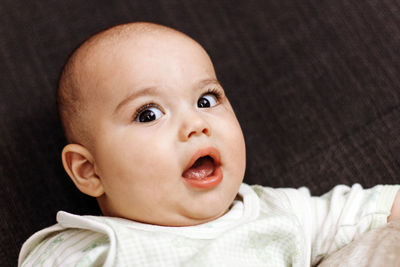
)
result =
(395, 211)
(378, 247)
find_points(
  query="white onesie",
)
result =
(264, 227)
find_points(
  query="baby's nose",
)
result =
(194, 126)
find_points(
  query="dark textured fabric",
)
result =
(315, 85)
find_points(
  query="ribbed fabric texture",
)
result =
(315, 85)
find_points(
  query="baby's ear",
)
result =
(79, 164)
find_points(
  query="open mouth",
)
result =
(204, 170)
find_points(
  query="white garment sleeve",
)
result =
(74, 241)
(71, 247)
(341, 215)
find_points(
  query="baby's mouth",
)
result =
(204, 171)
(203, 167)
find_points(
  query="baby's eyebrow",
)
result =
(209, 81)
(136, 94)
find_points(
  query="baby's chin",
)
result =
(206, 215)
(197, 221)
(173, 219)
(190, 219)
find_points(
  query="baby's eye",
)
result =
(207, 101)
(148, 114)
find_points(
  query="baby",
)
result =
(153, 137)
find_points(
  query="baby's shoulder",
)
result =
(281, 195)
(63, 244)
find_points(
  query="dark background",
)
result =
(315, 85)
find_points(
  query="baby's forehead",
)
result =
(112, 40)
(115, 48)
(132, 56)
(116, 45)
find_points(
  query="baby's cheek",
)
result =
(234, 133)
(233, 142)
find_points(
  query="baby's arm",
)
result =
(378, 247)
(343, 214)
(395, 211)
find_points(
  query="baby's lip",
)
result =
(209, 151)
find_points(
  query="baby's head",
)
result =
(151, 132)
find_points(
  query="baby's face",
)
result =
(167, 146)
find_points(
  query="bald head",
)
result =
(81, 74)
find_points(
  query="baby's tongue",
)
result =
(202, 168)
